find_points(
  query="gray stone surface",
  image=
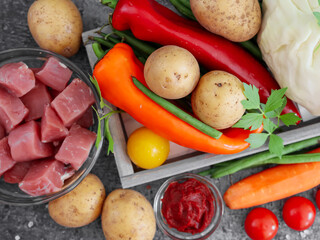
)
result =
(34, 223)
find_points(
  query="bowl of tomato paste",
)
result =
(188, 206)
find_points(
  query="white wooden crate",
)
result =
(182, 159)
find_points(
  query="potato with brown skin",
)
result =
(236, 20)
(217, 99)
(56, 26)
(81, 206)
(171, 72)
(127, 214)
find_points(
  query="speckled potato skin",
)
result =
(56, 26)
(217, 99)
(171, 72)
(236, 20)
(127, 215)
(81, 206)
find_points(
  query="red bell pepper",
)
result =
(150, 21)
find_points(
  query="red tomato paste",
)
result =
(188, 206)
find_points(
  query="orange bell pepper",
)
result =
(114, 74)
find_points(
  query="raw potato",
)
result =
(81, 206)
(56, 26)
(127, 214)
(236, 20)
(171, 72)
(217, 99)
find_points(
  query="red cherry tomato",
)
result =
(299, 213)
(318, 198)
(261, 224)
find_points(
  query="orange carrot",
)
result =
(273, 184)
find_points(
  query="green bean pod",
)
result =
(259, 158)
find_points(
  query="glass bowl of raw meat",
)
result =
(49, 139)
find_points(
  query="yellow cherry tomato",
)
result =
(147, 149)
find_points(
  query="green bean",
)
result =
(141, 55)
(113, 40)
(295, 158)
(105, 35)
(184, 10)
(142, 59)
(178, 112)
(102, 41)
(259, 159)
(213, 168)
(252, 48)
(206, 172)
(141, 45)
(185, 3)
(97, 49)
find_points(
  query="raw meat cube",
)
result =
(12, 110)
(35, 70)
(2, 132)
(35, 101)
(17, 78)
(54, 74)
(69, 172)
(17, 172)
(43, 178)
(76, 146)
(52, 128)
(6, 161)
(86, 119)
(25, 144)
(56, 146)
(73, 101)
(54, 93)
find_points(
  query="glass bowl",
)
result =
(34, 58)
(174, 233)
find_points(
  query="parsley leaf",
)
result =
(271, 114)
(268, 114)
(250, 120)
(289, 119)
(276, 145)
(280, 109)
(275, 100)
(257, 139)
(269, 126)
(253, 98)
